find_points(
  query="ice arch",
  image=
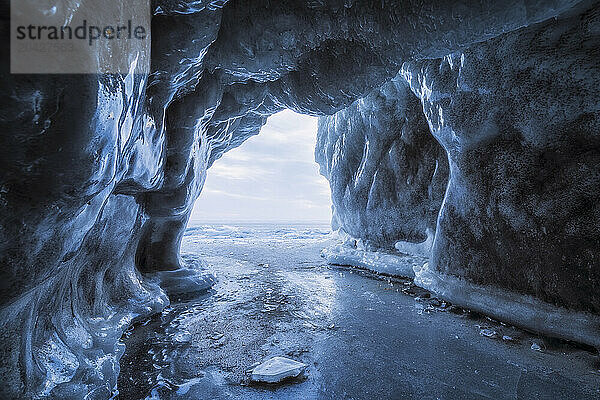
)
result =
(99, 173)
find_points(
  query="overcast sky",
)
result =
(270, 177)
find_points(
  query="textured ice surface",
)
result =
(514, 308)
(387, 172)
(99, 172)
(353, 252)
(184, 282)
(374, 326)
(262, 231)
(277, 369)
(376, 261)
(422, 249)
(520, 120)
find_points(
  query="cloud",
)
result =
(241, 171)
(271, 176)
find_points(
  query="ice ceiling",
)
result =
(479, 121)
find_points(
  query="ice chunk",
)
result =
(487, 332)
(376, 261)
(277, 369)
(417, 249)
(184, 282)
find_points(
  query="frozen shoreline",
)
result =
(519, 310)
(278, 297)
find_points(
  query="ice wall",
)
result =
(99, 172)
(387, 173)
(518, 233)
(520, 119)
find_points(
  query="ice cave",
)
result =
(460, 141)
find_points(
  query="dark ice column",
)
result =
(520, 119)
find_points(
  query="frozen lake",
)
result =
(362, 336)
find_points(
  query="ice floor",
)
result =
(362, 337)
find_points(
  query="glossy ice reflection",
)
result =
(370, 336)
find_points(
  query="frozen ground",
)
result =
(362, 336)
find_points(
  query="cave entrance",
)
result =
(258, 228)
(272, 177)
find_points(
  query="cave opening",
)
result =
(256, 234)
(271, 177)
